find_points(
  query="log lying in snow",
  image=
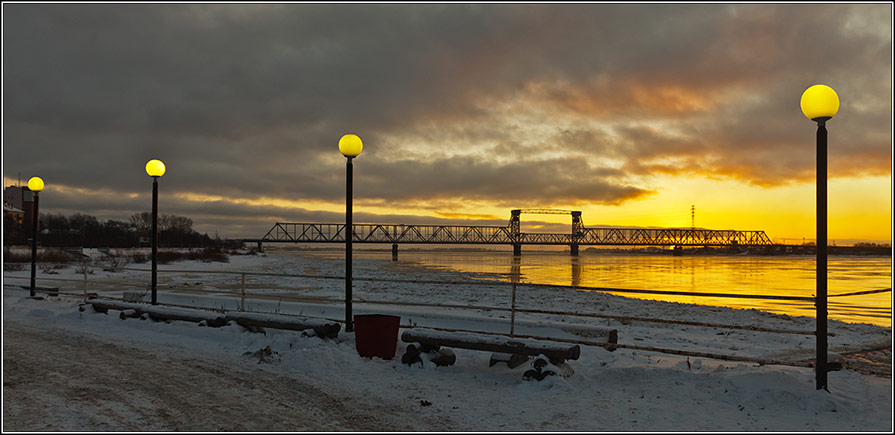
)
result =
(185, 314)
(467, 340)
(159, 312)
(512, 360)
(129, 314)
(322, 328)
(85, 307)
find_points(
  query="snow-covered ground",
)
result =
(624, 390)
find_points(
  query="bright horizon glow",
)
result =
(859, 207)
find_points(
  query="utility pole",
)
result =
(692, 217)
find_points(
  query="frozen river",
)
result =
(738, 274)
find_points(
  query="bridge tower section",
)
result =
(577, 232)
(516, 231)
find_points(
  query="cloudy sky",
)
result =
(630, 113)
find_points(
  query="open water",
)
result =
(737, 274)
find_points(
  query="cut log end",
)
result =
(128, 314)
(512, 360)
(443, 357)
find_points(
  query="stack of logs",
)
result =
(512, 351)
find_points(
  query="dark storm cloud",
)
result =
(543, 182)
(250, 100)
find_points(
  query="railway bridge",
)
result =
(509, 235)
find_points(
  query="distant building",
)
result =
(13, 228)
(16, 214)
(16, 196)
(22, 199)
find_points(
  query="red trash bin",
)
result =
(376, 335)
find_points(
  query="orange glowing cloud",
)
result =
(622, 96)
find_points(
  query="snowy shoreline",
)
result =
(621, 390)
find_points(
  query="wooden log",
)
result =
(128, 314)
(255, 329)
(251, 321)
(157, 312)
(468, 340)
(322, 328)
(187, 315)
(443, 357)
(610, 346)
(512, 360)
(426, 348)
(104, 305)
(91, 307)
(411, 356)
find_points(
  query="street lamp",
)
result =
(350, 146)
(35, 185)
(820, 103)
(155, 169)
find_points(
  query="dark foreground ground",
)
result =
(65, 381)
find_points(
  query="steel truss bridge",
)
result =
(510, 234)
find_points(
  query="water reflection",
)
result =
(576, 272)
(758, 275)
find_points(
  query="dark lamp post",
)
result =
(155, 169)
(350, 146)
(820, 103)
(35, 185)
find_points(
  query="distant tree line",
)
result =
(86, 231)
(872, 245)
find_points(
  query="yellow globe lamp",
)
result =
(155, 168)
(820, 103)
(350, 145)
(35, 184)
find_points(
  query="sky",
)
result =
(631, 113)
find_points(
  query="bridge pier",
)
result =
(574, 249)
(517, 250)
(259, 247)
(394, 252)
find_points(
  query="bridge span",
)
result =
(509, 235)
